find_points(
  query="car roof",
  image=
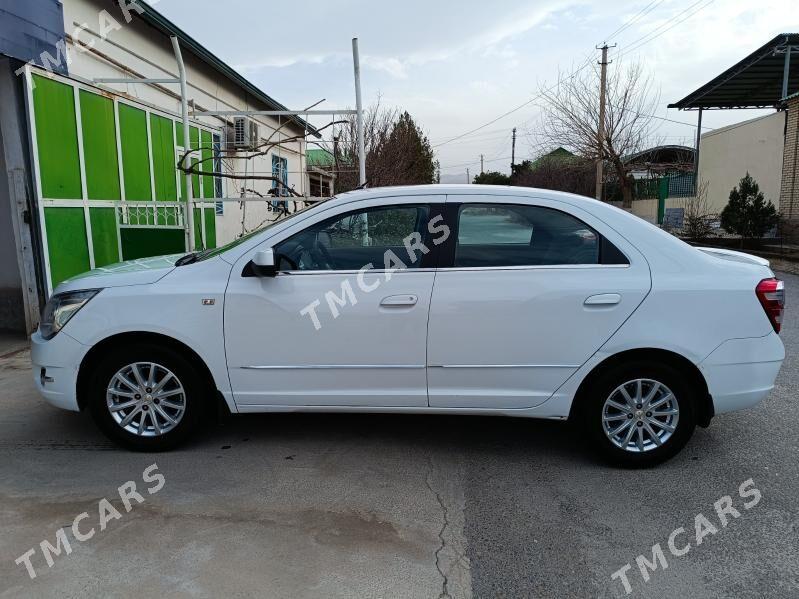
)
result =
(588, 204)
(459, 189)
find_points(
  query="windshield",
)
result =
(211, 252)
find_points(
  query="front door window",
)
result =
(357, 239)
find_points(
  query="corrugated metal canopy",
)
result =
(755, 82)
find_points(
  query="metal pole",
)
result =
(786, 70)
(356, 63)
(481, 164)
(184, 109)
(600, 130)
(696, 152)
(513, 151)
(468, 178)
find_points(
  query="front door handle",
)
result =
(602, 299)
(400, 300)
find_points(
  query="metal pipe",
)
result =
(271, 112)
(356, 63)
(184, 109)
(129, 80)
(696, 153)
(786, 70)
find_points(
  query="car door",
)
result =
(525, 294)
(344, 321)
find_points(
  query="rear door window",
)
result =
(519, 235)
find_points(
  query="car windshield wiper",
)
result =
(187, 259)
(193, 257)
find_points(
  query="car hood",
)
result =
(141, 271)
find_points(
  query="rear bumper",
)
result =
(741, 372)
(55, 368)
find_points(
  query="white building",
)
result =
(728, 153)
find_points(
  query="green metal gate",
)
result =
(106, 179)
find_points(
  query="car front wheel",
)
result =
(640, 414)
(146, 398)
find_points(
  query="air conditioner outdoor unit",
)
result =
(245, 133)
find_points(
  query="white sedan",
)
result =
(431, 299)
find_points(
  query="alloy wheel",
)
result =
(640, 415)
(146, 399)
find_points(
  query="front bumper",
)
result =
(55, 368)
(741, 372)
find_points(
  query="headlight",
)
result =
(60, 308)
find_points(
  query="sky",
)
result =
(456, 66)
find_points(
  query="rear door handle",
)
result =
(400, 300)
(602, 299)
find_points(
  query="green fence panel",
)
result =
(207, 165)
(179, 142)
(67, 247)
(104, 235)
(194, 140)
(99, 146)
(57, 138)
(145, 242)
(663, 193)
(163, 158)
(210, 227)
(135, 153)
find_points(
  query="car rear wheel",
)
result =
(146, 398)
(640, 414)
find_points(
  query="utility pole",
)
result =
(468, 178)
(600, 130)
(513, 151)
(335, 162)
(481, 164)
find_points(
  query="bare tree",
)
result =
(571, 117)
(697, 216)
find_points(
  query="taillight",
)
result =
(771, 293)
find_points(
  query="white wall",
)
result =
(726, 154)
(148, 52)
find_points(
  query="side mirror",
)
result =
(263, 263)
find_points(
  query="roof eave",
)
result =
(693, 100)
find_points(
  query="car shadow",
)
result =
(461, 435)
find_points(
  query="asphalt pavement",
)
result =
(396, 506)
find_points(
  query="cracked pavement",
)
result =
(293, 505)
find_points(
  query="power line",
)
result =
(642, 13)
(500, 117)
(640, 42)
(646, 38)
(473, 163)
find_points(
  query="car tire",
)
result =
(651, 428)
(133, 411)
